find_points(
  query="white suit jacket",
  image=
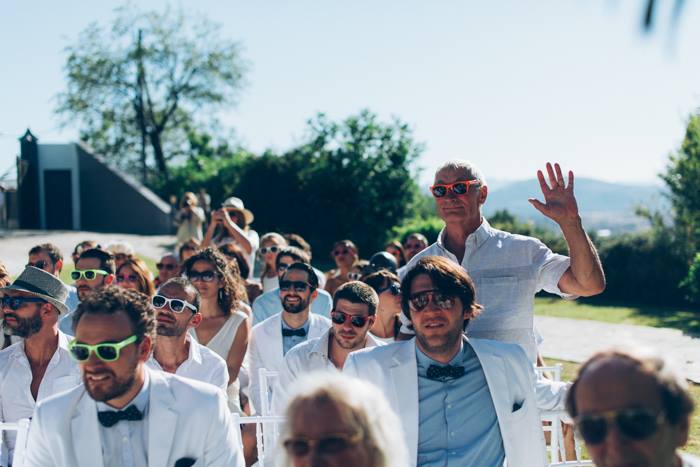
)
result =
(266, 351)
(511, 380)
(187, 419)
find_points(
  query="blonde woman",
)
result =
(189, 219)
(270, 244)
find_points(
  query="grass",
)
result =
(570, 369)
(685, 319)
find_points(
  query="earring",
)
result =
(221, 295)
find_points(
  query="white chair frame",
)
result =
(22, 429)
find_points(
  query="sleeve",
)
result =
(199, 214)
(255, 364)
(551, 266)
(37, 453)
(224, 447)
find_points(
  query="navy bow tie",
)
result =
(443, 373)
(111, 417)
(301, 332)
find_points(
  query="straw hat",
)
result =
(236, 204)
(40, 283)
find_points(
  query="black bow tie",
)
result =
(443, 373)
(301, 332)
(111, 417)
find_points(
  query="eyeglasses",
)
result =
(354, 276)
(169, 267)
(206, 276)
(105, 351)
(339, 317)
(15, 303)
(175, 304)
(332, 443)
(269, 249)
(41, 264)
(298, 286)
(393, 287)
(458, 188)
(88, 274)
(127, 278)
(420, 300)
(634, 423)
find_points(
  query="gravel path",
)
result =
(577, 339)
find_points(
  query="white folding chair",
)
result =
(22, 429)
(264, 449)
(270, 431)
(553, 370)
(582, 463)
(556, 450)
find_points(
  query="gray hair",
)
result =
(361, 404)
(466, 166)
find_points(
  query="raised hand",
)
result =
(559, 200)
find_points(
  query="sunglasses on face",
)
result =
(15, 303)
(88, 274)
(341, 252)
(106, 351)
(41, 264)
(330, 444)
(413, 246)
(269, 249)
(634, 423)
(168, 267)
(176, 305)
(393, 287)
(206, 276)
(298, 286)
(339, 317)
(282, 267)
(127, 278)
(460, 188)
(354, 276)
(420, 300)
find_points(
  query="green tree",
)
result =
(139, 86)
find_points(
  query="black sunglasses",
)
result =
(394, 287)
(299, 286)
(206, 276)
(169, 267)
(330, 444)
(41, 264)
(634, 423)
(339, 317)
(14, 303)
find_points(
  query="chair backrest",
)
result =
(22, 429)
(553, 370)
(264, 445)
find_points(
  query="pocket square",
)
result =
(517, 406)
(185, 462)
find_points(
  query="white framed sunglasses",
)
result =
(175, 304)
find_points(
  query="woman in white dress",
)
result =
(225, 325)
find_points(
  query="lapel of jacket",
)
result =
(162, 419)
(495, 372)
(85, 433)
(317, 326)
(404, 377)
(276, 351)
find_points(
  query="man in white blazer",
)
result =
(124, 413)
(461, 401)
(274, 337)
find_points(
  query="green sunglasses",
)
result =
(88, 274)
(105, 351)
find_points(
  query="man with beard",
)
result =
(461, 401)
(94, 269)
(177, 310)
(273, 338)
(168, 267)
(40, 365)
(124, 413)
(354, 311)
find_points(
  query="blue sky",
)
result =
(508, 85)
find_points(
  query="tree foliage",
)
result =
(140, 85)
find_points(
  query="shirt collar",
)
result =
(195, 353)
(479, 236)
(304, 327)
(61, 352)
(320, 347)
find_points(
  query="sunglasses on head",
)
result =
(206, 276)
(269, 249)
(393, 287)
(339, 317)
(169, 267)
(332, 443)
(127, 278)
(634, 423)
(176, 305)
(15, 303)
(105, 351)
(420, 300)
(41, 264)
(88, 274)
(298, 286)
(460, 188)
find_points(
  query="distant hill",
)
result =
(603, 205)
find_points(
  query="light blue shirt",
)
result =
(65, 323)
(457, 422)
(290, 341)
(269, 304)
(125, 444)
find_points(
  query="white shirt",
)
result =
(16, 399)
(689, 461)
(202, 364)
(125, 444)
(507, 271)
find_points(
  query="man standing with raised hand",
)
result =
(509, 269)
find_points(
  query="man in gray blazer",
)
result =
(124, 413)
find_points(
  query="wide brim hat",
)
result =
(40, 283)
(236, 204)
